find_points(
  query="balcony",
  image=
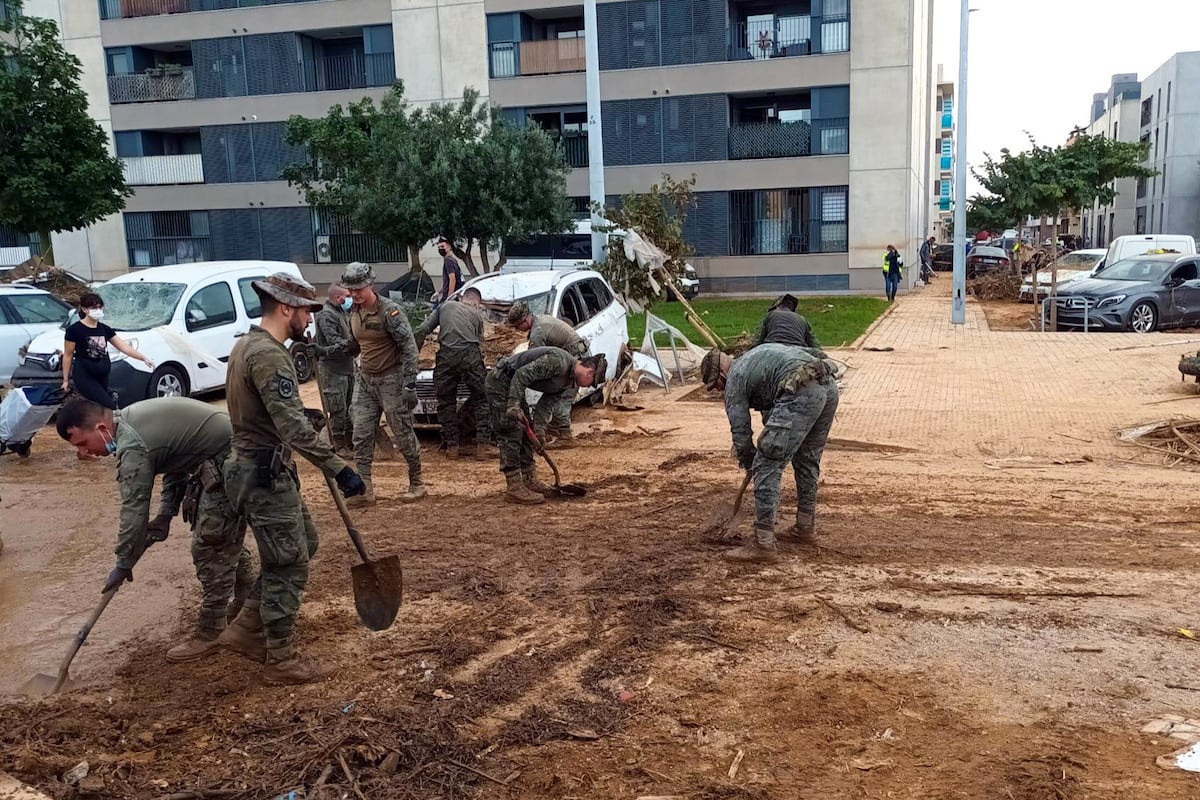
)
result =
(575, 146)
(163, 170)
(789, 139)
(947, 163)
(767, 36)
(545, 57)
(355, 71)
(152, 85)
(125, 9)
(947, 121)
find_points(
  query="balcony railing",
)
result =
(762, 40)
(163, 170)
(543, 57)
(121, 9)
(146, 88)
(347, 247)
(789, 139)
(162, 251)
(356, 71)
(575, 145)
(764, 237)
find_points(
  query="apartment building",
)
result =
(941, 178)
(1114, 114)
(806, 122)
(1169, 124)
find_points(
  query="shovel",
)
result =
(722, 526)
(561, 489)
(41, 683)
(378, 585)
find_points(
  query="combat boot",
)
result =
(416, 488)
(362, 500)
(200, 644)
(285, 667)
(803, 532)
(519, 493)
(760, 550)
(529, 474)
(245, 634)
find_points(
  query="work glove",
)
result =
(746, 457)
(116, 578)
(516, 415)
(349, 482)
(158, 528)
(409, 396)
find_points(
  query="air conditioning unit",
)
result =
(324, 251)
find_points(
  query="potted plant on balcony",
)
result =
(154, 72)
(172, 69)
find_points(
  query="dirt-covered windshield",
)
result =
(139, 306)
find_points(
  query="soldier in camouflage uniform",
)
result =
(548, 370)
(549, 331)
(269, 426)
(186, 441)
(386, 382)
(796, 392)
(459, 360)
(783, 325)
(336, 349)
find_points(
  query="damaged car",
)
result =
(1141, 294)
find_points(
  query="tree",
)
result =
(658, 215)
(56, 171)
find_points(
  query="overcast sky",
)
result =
(1035, 64)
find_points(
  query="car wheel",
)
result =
(1143, 318)
(167, 382)
(302, 357)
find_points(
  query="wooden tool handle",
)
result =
(340, 502)
(81, 637)
(741, 495)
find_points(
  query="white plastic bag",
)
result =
(20, 419)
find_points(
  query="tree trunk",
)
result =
(503, 258)
(1053, 293)
(414, 258)
(464, 255)
(47, 247)
(483, 254)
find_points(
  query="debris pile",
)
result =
(997, 286)
(1176, 441)
(498, 341)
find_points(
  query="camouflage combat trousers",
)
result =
(338, 391)
(376, 395)
(224, 566)
(286, 537)
(796, 432)
(464, 365)
(516, 453)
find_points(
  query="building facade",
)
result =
(1169, 124)
(806, 122)
(1114, 114)
(942, 174)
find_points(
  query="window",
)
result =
(947, 146)
(947, 105)
(1185, 272)
(38, 308)
(1147, 110)
(1168, 98)
(782, 221)
(250, 298)
(595, 296)
(572, 309)
(210, 307)
(1140, 224)
(1115, 129)
(157, 238)
(1159, 105)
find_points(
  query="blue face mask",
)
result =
(111, 446)
(347, 302)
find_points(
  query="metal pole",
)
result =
(958, 313)
(591, 49)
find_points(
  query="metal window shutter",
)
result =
(709, 26)
(213, 154)
(234, 234)
(707, 226)
(611, 23)
(712, 127)
(615, 121)
(271, 152)
(645, 131)
(678, 43)
(643, 34)
(287, 234)
(272, 64)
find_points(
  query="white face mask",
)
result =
(96, 313)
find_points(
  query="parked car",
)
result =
(1124, 247)
(1140, 294)
(25, 313)
(1072, 266)
(984, 259)
(581, 297)
(184, 317)
(943, 257)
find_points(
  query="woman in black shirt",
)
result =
(86, 349)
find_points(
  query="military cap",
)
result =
(518, 312)
(710, 368)
(357, 276)
(285, 288)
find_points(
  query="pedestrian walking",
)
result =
(269, 427)
(459, 360)
(926, 255)
(893, 271)
(85, 352)
(336, 349)
(451, 271)
(386, 384)
(798, 396)
(784, 325)
(545, 330)
(551, 371)
(185, 441)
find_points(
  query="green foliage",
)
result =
(658, 216)
(56, 172)
(835, 321)
(406, 176)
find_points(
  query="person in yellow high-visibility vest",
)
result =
(893, 271)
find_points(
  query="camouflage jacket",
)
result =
(169, 436)
(757, 377)
(549, 370)
(781, 326)
(459, 325)
(399, 330)
(263, 397)
(550, 331)
(336, 346)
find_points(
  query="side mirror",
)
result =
(1173, 283)
(196, 317)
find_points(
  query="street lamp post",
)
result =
(591, 51)
(958, 312)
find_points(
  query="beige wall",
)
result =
(441, 47)
(200, 197)
(762, 173)
(233, 110)
(313, 16)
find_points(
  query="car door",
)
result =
(607, 323)
(25, 316)
(1184, 289)
(212, 325)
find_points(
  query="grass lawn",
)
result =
(836, 321)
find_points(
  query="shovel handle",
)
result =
(340, 502)
(541, 451)
(741, 495)
(81, 637)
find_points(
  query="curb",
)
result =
(858, 343)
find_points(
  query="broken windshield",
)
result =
(139, 306)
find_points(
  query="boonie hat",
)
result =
(285, 288)
(518, 312)
(357, 276)
(710, 368)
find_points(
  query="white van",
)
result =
(1124, 247)
(573, 251)
(184, 317)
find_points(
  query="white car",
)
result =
(581, 297)
(1073, 266)
(184, 317)
(25, 313)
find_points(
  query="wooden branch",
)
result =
(858, 626)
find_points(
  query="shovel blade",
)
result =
(378, 587)
(571, 490)
(41, 684)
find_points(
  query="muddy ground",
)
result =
(962, 630)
